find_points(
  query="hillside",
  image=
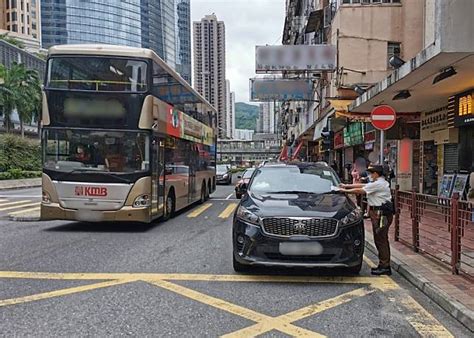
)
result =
(246, 116)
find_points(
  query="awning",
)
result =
(417, 77)
(318, 128)
(314, 21)
(340, 105)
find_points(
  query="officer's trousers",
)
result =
(381, 237)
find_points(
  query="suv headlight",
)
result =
(142, 201)
(226, 175)
(352, 217)
(247, 216)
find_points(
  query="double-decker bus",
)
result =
(124, 137)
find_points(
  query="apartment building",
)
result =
(21, 19)
(367, 33)
(210, 66)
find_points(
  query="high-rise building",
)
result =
(21, 19)
(209, 66)
(267, 118)
(183, 39)
(161, 25)
(230, 111)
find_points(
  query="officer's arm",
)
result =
(357, 191)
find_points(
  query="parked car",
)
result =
(293, 216)
(244, 179)
(223, 174)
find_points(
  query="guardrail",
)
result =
(442, 228)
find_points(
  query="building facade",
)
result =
(161, 25)
(367, 34)
(210, 66)
(21, 19)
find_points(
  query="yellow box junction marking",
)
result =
(421, 320)
(228, 211)
(199, 210)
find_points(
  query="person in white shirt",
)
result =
(378, 194)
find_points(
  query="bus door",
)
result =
(158, 176)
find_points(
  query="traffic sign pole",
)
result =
(382, 141)
(383, 118)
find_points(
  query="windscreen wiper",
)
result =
(60, 177)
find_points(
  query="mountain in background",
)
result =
(246, 116)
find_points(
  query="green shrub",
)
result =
(16, 174)
(20, 154)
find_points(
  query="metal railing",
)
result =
(442, 228)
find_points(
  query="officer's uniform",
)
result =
(378, 192)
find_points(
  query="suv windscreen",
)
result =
(248, 173)
(294, 179)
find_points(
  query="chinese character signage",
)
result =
(464, 109)
(180, 125)
(281, 89)
(295, 58)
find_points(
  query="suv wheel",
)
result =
(239, 267)
(355, 270)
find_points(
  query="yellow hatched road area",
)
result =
(420, 319)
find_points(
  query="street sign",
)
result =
(383, 117)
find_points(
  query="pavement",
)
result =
(20, 184)
(454, 293)
(175, 278)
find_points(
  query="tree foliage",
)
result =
(19, 89)
(246, 116)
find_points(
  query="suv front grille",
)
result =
(312, 227)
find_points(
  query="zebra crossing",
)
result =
(18, 207)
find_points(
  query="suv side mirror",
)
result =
(244, 187)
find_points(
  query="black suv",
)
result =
(292, 215)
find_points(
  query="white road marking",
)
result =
(20, 196)
(228, 197)
(224, 199)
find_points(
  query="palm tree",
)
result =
(20, 89)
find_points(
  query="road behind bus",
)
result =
(176, 278)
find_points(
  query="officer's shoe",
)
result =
(379, 271)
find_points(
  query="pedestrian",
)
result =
(381, 213)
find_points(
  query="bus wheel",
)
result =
(208, 192)
(169, 206)
(203, 193)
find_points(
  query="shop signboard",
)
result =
(433, 122)
(460, 184)
(354, 134)
(339, 140)
(464, 109)
(446, 186)
(295, 58)
(279, 89)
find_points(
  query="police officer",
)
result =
(379, 198)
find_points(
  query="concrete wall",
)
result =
(455, 25)
(430, 23)
(364, 33)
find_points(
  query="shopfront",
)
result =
(464, 121)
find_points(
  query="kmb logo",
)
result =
(90, 191)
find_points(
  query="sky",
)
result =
(248, 23)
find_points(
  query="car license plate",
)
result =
(301, 249)
(89, 216)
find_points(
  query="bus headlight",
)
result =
(46, 198)
(142, 201)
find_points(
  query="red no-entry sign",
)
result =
(383, 117)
